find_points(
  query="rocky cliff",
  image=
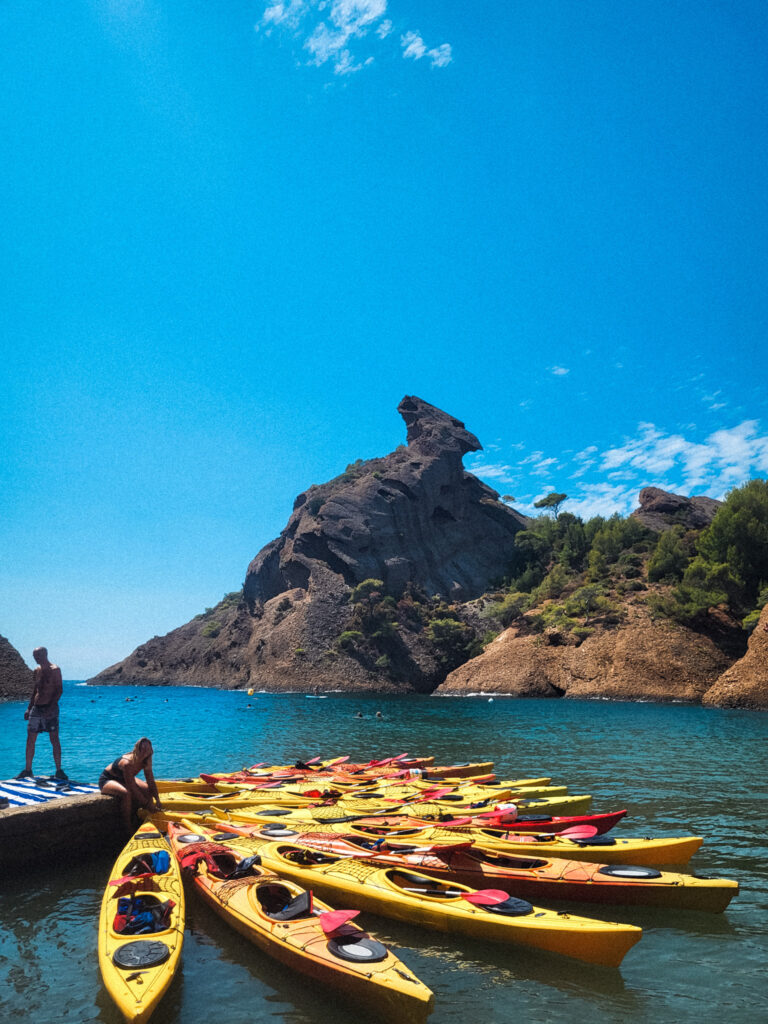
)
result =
(639, 659)
(414, 520)
(15, 677)
(745, 684)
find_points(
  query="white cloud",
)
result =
(602, 500)
(415, 48)
(501, 473)
(413, 45)
(725, 459)
(330, 28)
(287, 14)
(545, 466)
(441, 55)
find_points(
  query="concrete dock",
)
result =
(60, 831)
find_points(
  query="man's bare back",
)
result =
(47, 683)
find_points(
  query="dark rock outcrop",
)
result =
(660, 510)
(15, 676)
(745, 684)
(413, 518)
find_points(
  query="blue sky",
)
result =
(235, 235)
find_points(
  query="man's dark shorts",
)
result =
(43, 718)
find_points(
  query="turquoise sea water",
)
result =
(678, 769)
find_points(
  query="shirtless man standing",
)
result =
(42, 715)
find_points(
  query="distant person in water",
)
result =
(42, 714)
(359, 714)
(120, 779)
(379, 714)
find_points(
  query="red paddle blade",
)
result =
(261, 764)
(486, 897)
(450, 847)
(313, 760)
(386, 761)
(435, 794)
(130, 878)
(332, 920)
(579, 832)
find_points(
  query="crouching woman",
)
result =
(120, 779)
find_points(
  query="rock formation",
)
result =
(660, 510)
(745, 684)
(640, 659)
(413, 518)
(15, 676)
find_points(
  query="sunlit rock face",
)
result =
(745, 684)
(413, 516)
(641, 659)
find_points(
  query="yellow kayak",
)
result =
(288, 923)
(137, 967)
(181, 801)
(447, 906)
(605, 849)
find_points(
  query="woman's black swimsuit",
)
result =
(112, 772)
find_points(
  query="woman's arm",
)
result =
(149, 776)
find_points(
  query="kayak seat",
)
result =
(246, 867)
(530, 818)
(308, 857)
(512, 907)
(280, 904)
(423, 885)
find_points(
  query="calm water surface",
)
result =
(678, 769)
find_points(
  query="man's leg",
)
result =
(30, 751)
(56, 745)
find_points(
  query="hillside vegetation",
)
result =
(574, 577)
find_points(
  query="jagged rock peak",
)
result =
(431, 430)
(659, 510)
(413, 516)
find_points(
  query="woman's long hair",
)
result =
(137, 755)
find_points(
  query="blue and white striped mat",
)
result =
(30, 791)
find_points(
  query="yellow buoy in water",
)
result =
(250, 692)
